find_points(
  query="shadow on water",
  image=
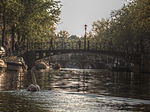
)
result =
(75, 90)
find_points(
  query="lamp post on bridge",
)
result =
(85, 26)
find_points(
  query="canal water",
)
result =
(75, 90)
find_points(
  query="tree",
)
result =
(63, 34)
(126, 27)
(29, 20)
(10, 11)
(39, 19)
(131, 23)
(100, 29)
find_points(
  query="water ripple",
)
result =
(77, 102)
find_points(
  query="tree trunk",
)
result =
(18, 36)
(13, 38)
(3, 28)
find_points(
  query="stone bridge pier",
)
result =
(29, 58)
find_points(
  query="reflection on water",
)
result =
(11, 80)
(75, 90)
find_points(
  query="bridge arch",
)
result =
(73, 64)
(31, 56)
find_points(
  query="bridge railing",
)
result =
(64, 45)
(38, 46)
(75, 45)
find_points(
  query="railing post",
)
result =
(42, 45)
(79, 43)
(51, 44)
(72, 45)
(54, 45)
(88, 44)
(96, 46)
(64, 44)
(85, 42)
(27, 46)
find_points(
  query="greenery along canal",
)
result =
(72, 90)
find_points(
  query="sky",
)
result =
(76, 13)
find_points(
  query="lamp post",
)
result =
(85, 26)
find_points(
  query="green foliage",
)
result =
(63, 34)
(127, 26)
(34, 20)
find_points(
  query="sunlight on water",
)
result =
(75, 90)
(51, 101)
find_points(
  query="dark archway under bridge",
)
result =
(79, 60)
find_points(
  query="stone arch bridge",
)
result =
(35, 51)
(31, 56)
